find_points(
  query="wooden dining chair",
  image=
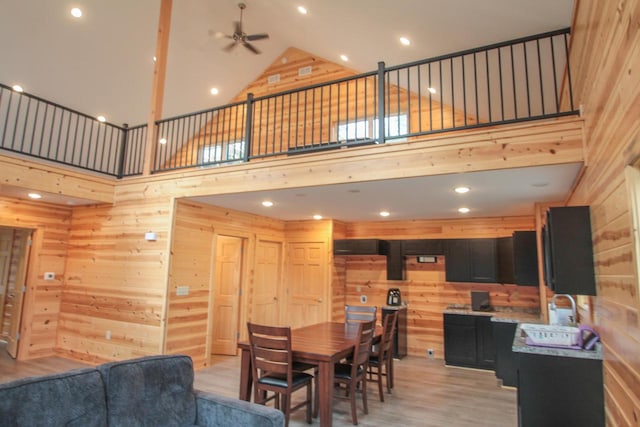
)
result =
(354, 375)
(380, 358)
(272, 368)
(359, 313)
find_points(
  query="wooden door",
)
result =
(265, 305)
(6, 243)
(17, 296)
(226, 294)
(306, 288)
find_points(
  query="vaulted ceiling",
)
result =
(102, 63)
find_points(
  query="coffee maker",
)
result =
(393, 297)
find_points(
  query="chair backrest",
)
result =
(362, 349)
(388, 329)
(270, 348)
(359, 313)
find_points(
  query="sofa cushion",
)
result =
(151, 391)
(74, 399)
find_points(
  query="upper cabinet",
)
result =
(518, 259)
(357, 247)
(471, 260)
(423, 247)
(568, 251)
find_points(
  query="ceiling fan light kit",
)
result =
(240, 37)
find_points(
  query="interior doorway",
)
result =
(227, 279)
(15, 244)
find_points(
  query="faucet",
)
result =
(552, 306)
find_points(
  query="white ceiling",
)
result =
(102, 64)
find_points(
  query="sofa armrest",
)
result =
(219, 411)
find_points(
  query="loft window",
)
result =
(395, 127)
(222, 153)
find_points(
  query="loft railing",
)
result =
(520, 80)
(39, 128)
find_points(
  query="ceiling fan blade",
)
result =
(229, 47)
(251, 48)
(254, 37)
(218, 34)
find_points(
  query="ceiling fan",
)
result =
(240, 37)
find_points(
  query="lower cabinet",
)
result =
(506, 359)
(560, 391)
(468, 341)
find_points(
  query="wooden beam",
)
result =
(157, 88)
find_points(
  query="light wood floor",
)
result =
(426, 393)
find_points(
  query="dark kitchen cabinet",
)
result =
(400, 333)
(506, 359)
(568, 251)
(471, 260)
(395, 261)
(468, 341)
(423, 247)
(518, 259)
(560, 391)
(356, 247)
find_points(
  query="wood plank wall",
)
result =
(48, 253)
(425, 289)
(115, 280)
(606, 53)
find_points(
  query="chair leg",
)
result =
(309, 403)
(286, 405)
(379, 373)
(364, 394)
(352, 399)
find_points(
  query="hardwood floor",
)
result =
(426, 393)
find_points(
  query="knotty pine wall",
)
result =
(115, 280)
(425, 288)
(605, 50)
(41, 308)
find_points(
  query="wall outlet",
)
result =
(182, 291)
(107, 334)
(430, 353)
(49, 275)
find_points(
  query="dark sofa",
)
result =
(151, 391)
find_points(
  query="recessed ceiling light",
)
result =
(76, 12)
(345, 58)
(163, 141)
(316, 216)
(214, 91)
(463, 210)
(303, 10)
(34, 196)
(101, 119)
(17, 88)
(405, 41)
(267, 203)
(384, 213)
(431, 89)
(461, 190)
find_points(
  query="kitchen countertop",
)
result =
(498, 314)
(520, 346)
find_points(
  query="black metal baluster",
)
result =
(540, 74)
(555, 77)
(526, 77)
(566, 50)
(486, 58)
(475, 85)
(513, 82)
(464, 91)
(501, 83)
(453, 96)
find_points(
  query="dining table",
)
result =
(321, 344)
